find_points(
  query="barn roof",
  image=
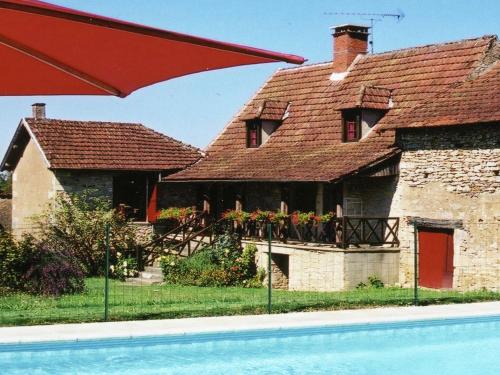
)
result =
(308, 146)
(100, 146)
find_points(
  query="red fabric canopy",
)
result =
(51, 50)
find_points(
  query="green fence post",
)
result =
(269, 268)
(415, 264)
(106, 278)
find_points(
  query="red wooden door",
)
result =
(435, 261)
(153, 202)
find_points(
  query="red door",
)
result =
(153, 202)
(435, 261)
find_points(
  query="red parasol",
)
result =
(51, 50)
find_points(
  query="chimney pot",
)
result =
(348, 42)
(38, 111)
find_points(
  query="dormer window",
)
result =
(262, 122)
(254, 133)
(352, 125)
(364, 111)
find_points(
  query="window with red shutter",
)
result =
(254, 136)
(352, 125)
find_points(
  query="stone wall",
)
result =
(99, 182)
(32, 189)
(264, 196)
(375, 193)
(144, 232)
(177, 194)
(452, 173)
(329, 269)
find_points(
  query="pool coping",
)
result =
(133, 329)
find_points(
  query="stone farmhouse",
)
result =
(122, 162)
(396, 153)
(402, 147)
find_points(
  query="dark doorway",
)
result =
(130, 192)
(435, 261)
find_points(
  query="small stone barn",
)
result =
(122, 162)
(449, 186)
(337, 137)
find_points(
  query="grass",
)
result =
(171, 301)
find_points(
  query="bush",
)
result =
(12, 262)
(38, 267)
(51, 272)
(77, 222)
(222, 264)
(373, 282)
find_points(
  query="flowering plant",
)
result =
(326, 217)
(299, 217)
(238, 216)
(259, 215)
(176, 213)
(279, 216)
(124, 267)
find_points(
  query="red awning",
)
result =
(51, 50)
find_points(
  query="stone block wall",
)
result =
(359, 265)
(99, 182)
(452, 173)
(177, 194)
(313, 268)
(32, 189)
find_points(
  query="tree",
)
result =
(5, 183)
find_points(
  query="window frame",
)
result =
(348, 116)
(254, 125)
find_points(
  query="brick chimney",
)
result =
(348, 42)
(38, 110)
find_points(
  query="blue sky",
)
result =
(195, 108)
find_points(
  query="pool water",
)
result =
(459, 346)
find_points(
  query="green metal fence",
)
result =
(106, 299)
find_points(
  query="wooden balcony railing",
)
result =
(339, 231)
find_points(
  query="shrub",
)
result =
(222, 264)
(38, 267)
(12, 263)
(77, 222)
(124, 267)
(373, 282)
(51, 272)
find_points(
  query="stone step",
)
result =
(153, 270)
(149, 275)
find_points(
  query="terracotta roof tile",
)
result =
(308, 146)
(474, 101)
(109, 146)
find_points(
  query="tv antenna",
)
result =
(372, 17)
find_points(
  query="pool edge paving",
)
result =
(227, 324)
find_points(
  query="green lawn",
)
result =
(153, 302)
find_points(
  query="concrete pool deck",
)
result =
(128, 329)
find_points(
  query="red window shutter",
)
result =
(351, 130)
(253, 138)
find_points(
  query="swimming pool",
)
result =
(447, 346)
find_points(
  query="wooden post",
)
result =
(206, 203)
(284, 199)
(320, 189)
(239, 203)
